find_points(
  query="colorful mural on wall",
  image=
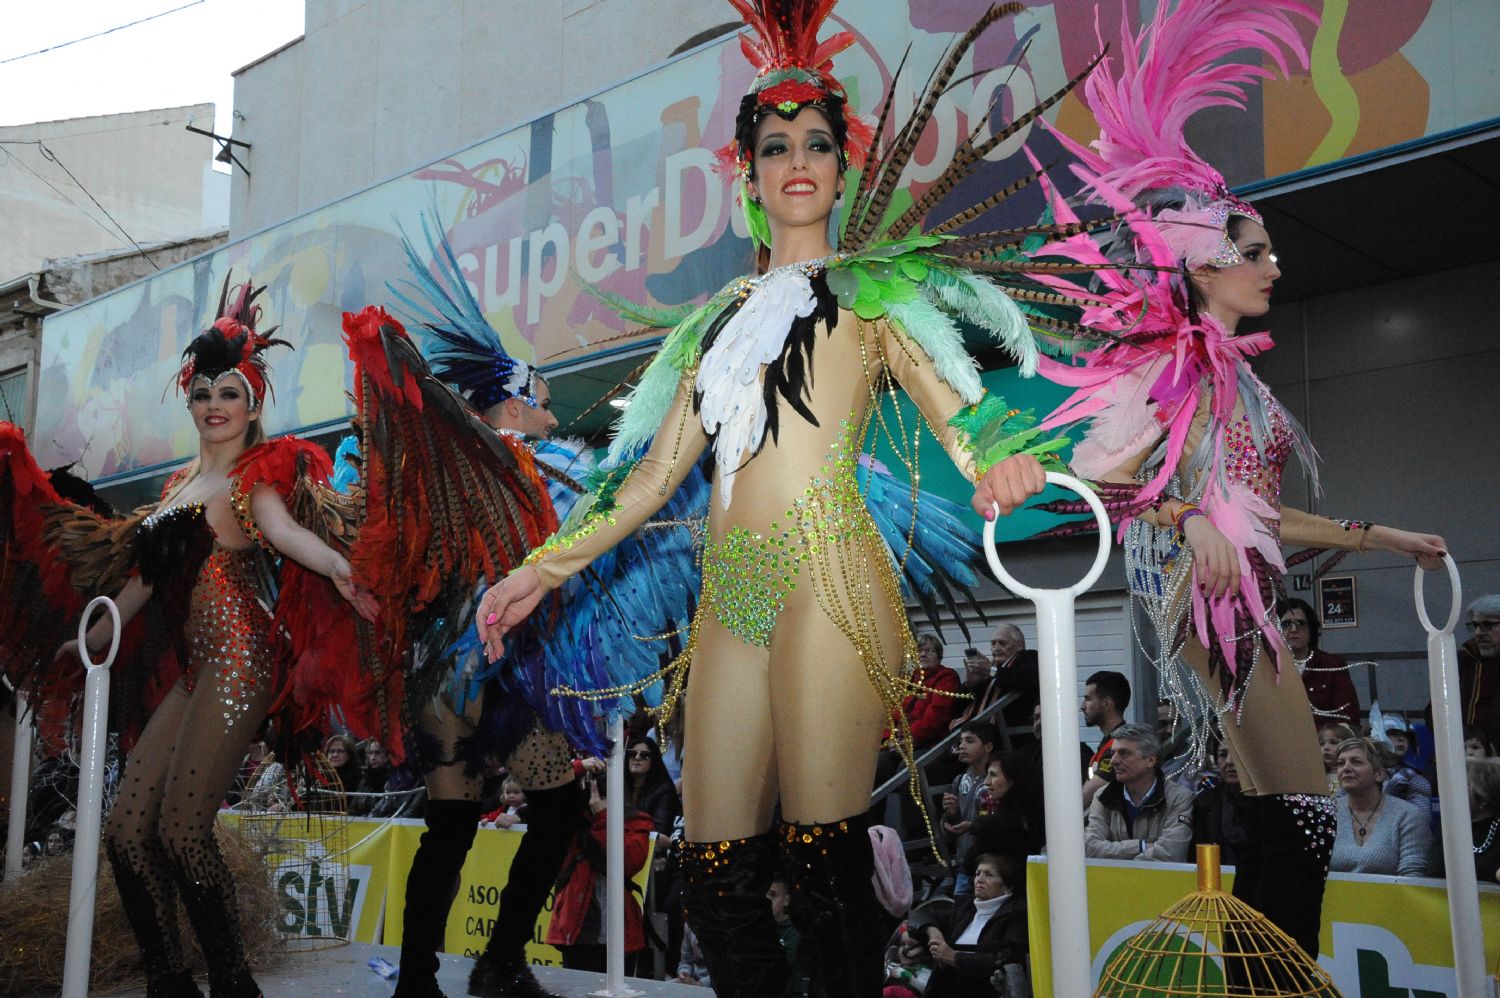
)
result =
(619, 190)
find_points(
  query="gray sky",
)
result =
(181, 58)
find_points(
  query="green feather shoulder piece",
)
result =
(924, 295)
(652, 398)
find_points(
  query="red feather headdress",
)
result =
(231, 345)
(793, 70)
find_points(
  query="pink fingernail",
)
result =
(989, 514)
(491, 618)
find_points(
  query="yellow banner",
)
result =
(472, 917)
(330, 873)
(345, 878)
(1382, 937)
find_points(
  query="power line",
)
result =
(50, 155)
(97, 131)
(27, 167)
(99, 34)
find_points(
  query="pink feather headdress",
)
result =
(1143, 110)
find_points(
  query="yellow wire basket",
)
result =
(1212, 944)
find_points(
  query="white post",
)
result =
(90, 804)
(1448, 739)
(614, 858)
(1067, 886)
(20, 790)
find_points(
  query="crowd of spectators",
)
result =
(1143, 798)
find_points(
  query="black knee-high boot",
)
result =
(451, 825)
(831, 869)
(834, 904)
(724, 886)
(551, 819)
(1297, 833)
(1282, 870)
(208, 894)
(152, 915)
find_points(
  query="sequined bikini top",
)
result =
(1260, 468)
(170, 545)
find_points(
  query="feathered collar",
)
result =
(771, 328)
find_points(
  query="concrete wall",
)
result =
(1397, 384)
(69, 281)
(380, 87)
(144, 167)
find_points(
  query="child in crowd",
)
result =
(962, 805)
(1403, 782)
(512, 809)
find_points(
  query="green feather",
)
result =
(652, 398)
(650, 316)
(755, 220)
(992, 432)
(932, 330)
(991, 309)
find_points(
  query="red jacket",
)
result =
(570, 904)
(1330, 690)
(930, 713)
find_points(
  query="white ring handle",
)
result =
(114, 638)
(992, 554)
(1422, 603)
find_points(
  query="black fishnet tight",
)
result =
(160, 834)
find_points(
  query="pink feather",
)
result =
(1172, 69)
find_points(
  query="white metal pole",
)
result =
(1448, 739)
(90, 804)
(1067, 885)
(614, 858)
(20, 789)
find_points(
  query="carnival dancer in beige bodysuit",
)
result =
(800, 642)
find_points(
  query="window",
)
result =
(13, 397)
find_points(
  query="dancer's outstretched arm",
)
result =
(295, 541)
(130, 600)
(671, 456)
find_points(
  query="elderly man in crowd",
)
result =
(1010, 668)
(1140, 815)
(1479, 668)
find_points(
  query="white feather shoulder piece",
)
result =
(729, 375)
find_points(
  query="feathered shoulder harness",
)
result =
(1172, 390)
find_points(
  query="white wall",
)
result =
(379, 87)
(1401, 395)
(144, 167)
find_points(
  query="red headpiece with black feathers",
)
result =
(231, 345)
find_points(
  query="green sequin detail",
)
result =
(749, 576)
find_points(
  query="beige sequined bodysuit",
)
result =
(801, 626)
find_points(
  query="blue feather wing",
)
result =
(942, 551)
(614, 625)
